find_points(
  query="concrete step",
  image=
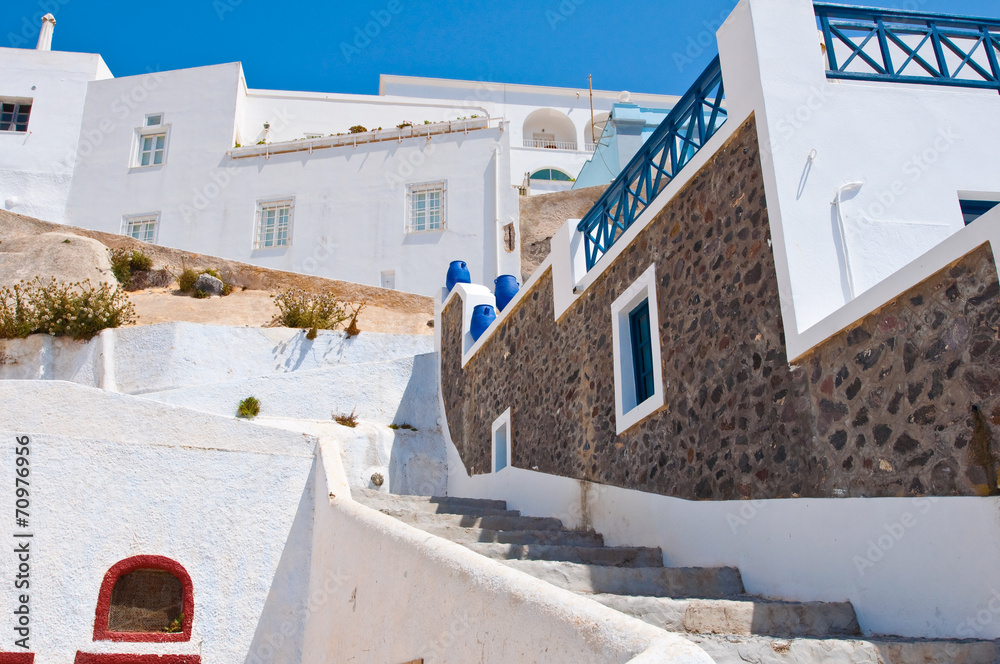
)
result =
(701, 582)
(553, 537)
(370, 496)
(443, 508)
(741, 616)
(588, 555)
(878, 650)
(491, 522)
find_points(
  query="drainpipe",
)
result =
(45, 35)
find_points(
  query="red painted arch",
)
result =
(101, 632)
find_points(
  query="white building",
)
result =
(383, 190)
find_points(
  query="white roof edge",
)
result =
(550, 89)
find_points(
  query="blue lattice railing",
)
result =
(695, 119)
(910, 47)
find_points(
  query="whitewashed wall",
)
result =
(349, 217)
(914, 148)
(516, 103)
(36, 168)
(115, 476)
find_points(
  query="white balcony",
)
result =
(552, 145)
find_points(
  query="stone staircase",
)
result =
(709, 605)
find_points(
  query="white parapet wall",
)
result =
(383, 591)
(155, 358)
(113, 476)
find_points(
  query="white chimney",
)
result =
(45, 36)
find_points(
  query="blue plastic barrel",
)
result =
(483, 316)
(505, 289)
(458, 273)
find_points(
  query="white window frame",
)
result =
(259, 230)
(501, 423)
(627, 412)
(17, 102)
(142, 133)
(129, 220)
(423, 187)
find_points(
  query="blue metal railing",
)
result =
(910, 47)
(692, 122)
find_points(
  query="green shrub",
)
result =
(298, 308)
(357, 129)
(185, 282)
(248, 408)
(126, 262)
(17, 312)
(77, 310)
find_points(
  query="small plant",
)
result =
(77, 310)
(66, 241)
(261, 142)
(404, 426)
(312, 333)
(347, 420)
(199, 294)
(125, 262)
(404, 125)
(353, 330)
(249, 408)
(185, 282)
(377, 479)
(237, 145)
(17, 312)
(298, 308)
(175, 625)
(357, 129)
(427, 121)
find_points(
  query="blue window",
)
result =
(972, 210)
(500, 449)
(642, 351)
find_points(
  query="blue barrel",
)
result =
(505, 289)
(482, 316)
(458, 273)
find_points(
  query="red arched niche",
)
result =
(101, 632)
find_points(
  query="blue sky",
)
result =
(296, 45)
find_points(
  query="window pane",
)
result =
(158, 157)
(153, 120)
(160, 141)
(146, 600)
(145, 159)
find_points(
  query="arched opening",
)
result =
(551, 174)
(596, 128)
(549, 128)
(145, 598)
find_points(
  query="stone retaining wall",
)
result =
(906, 403)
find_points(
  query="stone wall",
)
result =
(543, 214)
(904, 404)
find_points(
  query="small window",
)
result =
(388, 279)
(972, 210)
(154, 120)
(553, 174)
(274, 224)
(151, 149)
(642, 351)
(427, 207)
(639, 390)
(141, 227)
(145, 599)
(501, 442)
(14, 115)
